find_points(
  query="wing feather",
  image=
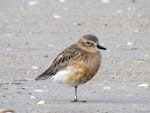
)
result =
(62, 61)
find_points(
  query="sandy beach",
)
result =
(34, 32)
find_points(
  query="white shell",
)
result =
(144, 85)
(42, 102)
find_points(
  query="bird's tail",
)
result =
(47, 74)
(42, 77)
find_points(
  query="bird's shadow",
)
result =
(108, 101)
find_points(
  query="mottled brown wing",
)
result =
(61, 62)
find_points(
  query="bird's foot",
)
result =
(75, 100)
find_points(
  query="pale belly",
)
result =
(76, 75)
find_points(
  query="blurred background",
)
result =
(33, 32)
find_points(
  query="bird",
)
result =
(77, 64)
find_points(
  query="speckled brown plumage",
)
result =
(77, 64)
(64, 59)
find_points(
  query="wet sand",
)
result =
(34, 32)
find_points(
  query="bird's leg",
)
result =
(75, 99)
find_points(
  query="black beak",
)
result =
(100, 47)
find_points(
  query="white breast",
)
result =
(64, 75)
(61, 76)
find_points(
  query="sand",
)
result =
(32, 33)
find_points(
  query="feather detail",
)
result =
(67, 57)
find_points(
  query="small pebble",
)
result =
(42, 102)
(113, 77)
(105, 1)
(146, 55)
(140, 15)
(33, 97)
(27, 87)
(28, 72)
(105, 25)
(57, 16)
(46, 56)
(28, 79)
(62, 1)
(8, 49)
(45, 86)
(129, 43)
(11, 35)
(107, 88)
(100, 84)
(129, 8)
(119, 11)
(76, 24)
(136, 30)
(40, 91)
(32, 3)
(140, 62)
(35, 67)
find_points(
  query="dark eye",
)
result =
(88, 43)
